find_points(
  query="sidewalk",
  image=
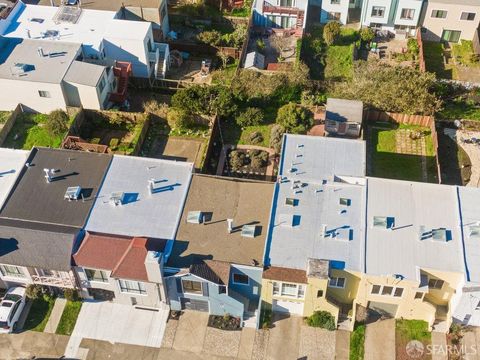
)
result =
(55, 316)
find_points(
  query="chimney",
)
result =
(230, 225)
(40, 52)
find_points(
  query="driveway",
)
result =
(117, 323)
(380, 340)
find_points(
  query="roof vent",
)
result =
(384, 222)
(230, 225)
(49, 174)
(73, 193)
(117, 198)
(153, 185)
(345, 202)
(40, 52)
(440, 234)
(249, 231)
(291, 201)
(194, 217)
(475, 232)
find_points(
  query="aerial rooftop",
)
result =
(110, 5)
(57, 187)
(412, 225)
(211, 201)
(344, 110)
(34, 60)
(141, 197)
(84, 73)
(11, 163)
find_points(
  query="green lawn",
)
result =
(69, 318)
(29, 131)
(357, 343)
(387, 163)
(339, 62)
(464, 54)
(39, 313)
(460, 109)
(433, 55)
(408, 330)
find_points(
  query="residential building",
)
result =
(154, 11)
(103, 36)
(11, 164)
(45, 76)
(42, 217)
(450, 21)
(141, 200)
(216, 261)
(343, 117)
(285, 14)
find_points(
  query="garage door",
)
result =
(191, 304)
(291, 307)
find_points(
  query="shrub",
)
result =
(212, 37)
(33, 291)
(260, 46)
(331, 32)
(179, 118)
(276, 136)
(113, 143)
(367, 34)
(412, 46)
(250, 117)
(258, 159)
(310, 98)
(322, 319)
(256, 137)
(70, 294)
(294, 119)
(156, 108)
(57, 122)
(238, 36)
(237, 160)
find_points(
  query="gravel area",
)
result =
(169, 335)
(260, 345)
(316, 343)
(221, 342)
(472, 150)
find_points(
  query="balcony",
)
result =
(283, 10)
(64, 282)
(122, 71)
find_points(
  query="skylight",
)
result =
(384, 222)
(194, 217)
(345, 201)
(475, 231)
(117, 198)
(73, 193)
(249, 231)
(439, 234)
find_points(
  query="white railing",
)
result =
(53, 281)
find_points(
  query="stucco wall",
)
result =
(328, 7)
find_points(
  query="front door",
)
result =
(451, 36)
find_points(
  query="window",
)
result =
(378, 11)
(276, 288)
(439, 14)
(286, 3)
(285, 22)
(8, 270)
(319, 293)
(398, 292)
(419, 295)
(452, 36)
(435, 283)
(387, 290)
(193, 287)
(222, 289)
(44, 94)
(337, 282)
(289, 289)
(96, 275)
(101, 85)
(467, 16)
(376, 289)
(334, 16)
(301, 291)
(240, 279)
(163, 13)
(335, 2)
(135, 287)
(407, 14)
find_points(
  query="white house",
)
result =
(286, 14)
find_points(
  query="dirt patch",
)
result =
(455, 164)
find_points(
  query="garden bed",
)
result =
(357, 343)
(39, 313)
(225, 322)
(247, 163)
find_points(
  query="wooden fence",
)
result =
(9, 123)
(210, 145)
(421, 55)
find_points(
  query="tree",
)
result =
(213, 37)
(258, 158)
(237, 160)
(367, 34)
(331, 32)
(250, 117)
(207, 100)
(391, 88)
(276, 136)
(179, 118)
(224, 57)
(57, 123)
(238, 36)
(294, 119)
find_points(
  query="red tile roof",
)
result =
(124, 256)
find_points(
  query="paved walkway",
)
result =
(380, 340)
(30, 343)
(471, 344)
(55, 315)
(406, 145)
(342, 345)
(439, 346)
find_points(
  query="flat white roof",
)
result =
(142, 213)
(416, 209)
(11, 163)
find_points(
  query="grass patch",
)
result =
(339, 62)
(463, 53)
(408, 330)
(433, 55)
(29, 131)
(39, 313)
(357, 343)
(4, 116)
(387, 163)
(69, 318)
(459, 109)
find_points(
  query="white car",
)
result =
(10, 309)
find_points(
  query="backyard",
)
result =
(30, 130)
(403, 152)
(410, 332)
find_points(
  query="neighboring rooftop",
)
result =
(123, 256)
(84, 73)
(411, 226)
(141, 197)
(344, 110)
(21, 59)
(320, 158)
(69, 195)
(11, 163)
(215, 271)
(31, 244)
(108, 5)
(456, 2)
(211, 201)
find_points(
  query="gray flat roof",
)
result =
(84, 73)
(470, 208)
(11, 163)
(35, 199)
(142, 213)
(50, 68)
(344, 110)
(317, 158)
(417, 209)
(219, 198)
(109, 5)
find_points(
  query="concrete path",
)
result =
(471, 344)
(342, 345)
(380, 340)
(284, 338)
(439, 346)
(30, 343)
(190, 332)
(55, 315)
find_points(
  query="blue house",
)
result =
(215, 264)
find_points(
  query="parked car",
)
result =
(11, 308)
